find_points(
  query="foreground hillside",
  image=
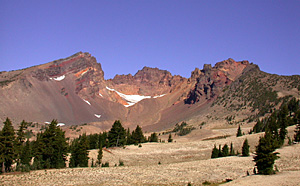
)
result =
(181, 163)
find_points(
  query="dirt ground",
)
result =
(180, 163)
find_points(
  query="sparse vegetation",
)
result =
(121, 163)
(183, 129)
(106, 164)
(255, 91)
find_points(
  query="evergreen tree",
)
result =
(51, 146)
(225, 150)
(170, 138)
(265, 156)
(137, 135)
(231, 150)
(79, 155)
(102, 139)
(239, 132)
(2, 155)
(245, 148)
(20, 139)
(116, 135)
(37, 151)
(153, 137)
(297, 134)
(282, 132)
(26, 155)
(128, 137)
(282, 123)
(100, 155)
(93, 141)
(7, 140)
(293, 105)
(258, 127)
(215, 152)
(220, 154)
(297, 117)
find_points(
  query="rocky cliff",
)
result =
(74, 91)
(211, 80)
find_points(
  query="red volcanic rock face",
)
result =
(82, 66)
(211, 80)
(148, 81)
(73, 90)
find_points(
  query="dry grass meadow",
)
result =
(185, 161)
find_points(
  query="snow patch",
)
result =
(86, 101)
(130, 99)
(59, 78)
(60, 124)
(110, 88)
(159, 96)
(100, 95)
(98, 116)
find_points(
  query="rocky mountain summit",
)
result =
(74, 91)
(211, 80)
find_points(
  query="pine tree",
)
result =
(128, 137)
(265, 156)
(7, 139)
(26, 154)
(258, 127)
(20, 139)
(153, 137)
(2, 155)
(170, 138)
(37, 151)
(93, 141)
(51, 147)
(297, 117)
(116, 135)
(225, 150)
(100, 155)
(215, 152)
(231, 150)
(245, 148)
(239, 132)
(137, 135)
(79, 155)
(282, 132)
(220, 151)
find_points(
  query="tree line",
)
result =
(275, 130)
(51, 148)
(275, 135)
(225, 151)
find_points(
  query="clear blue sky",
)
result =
(125, 35)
